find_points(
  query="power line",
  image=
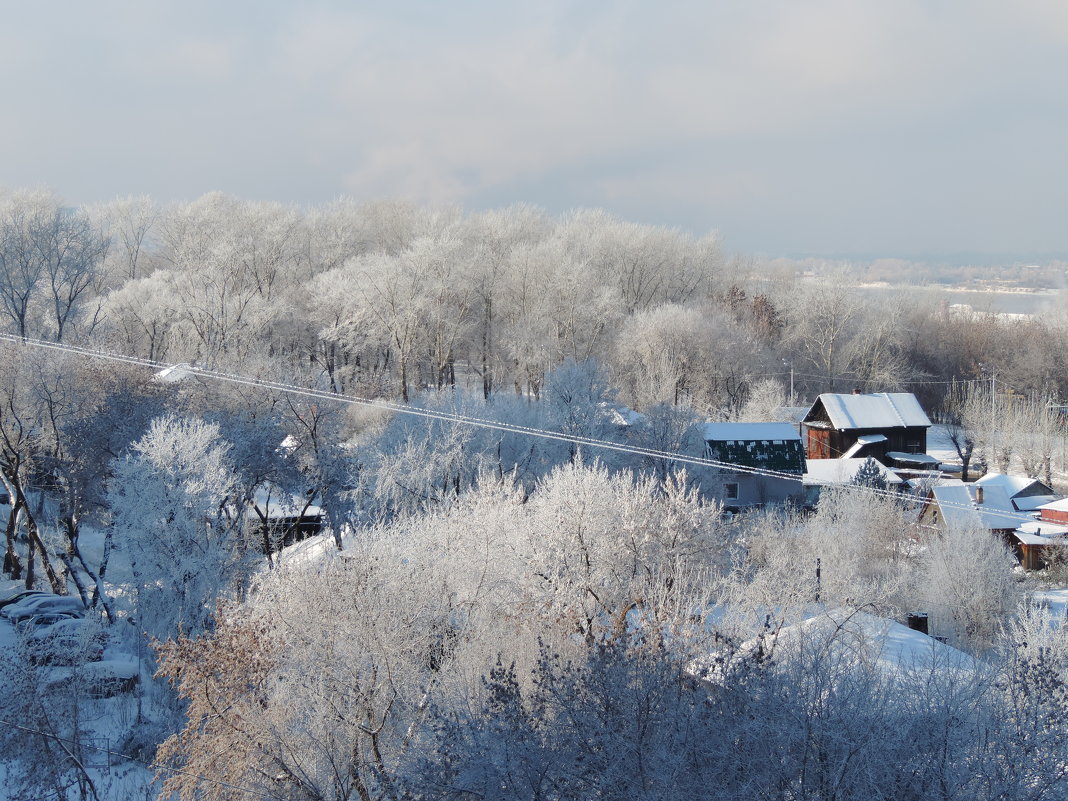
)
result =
(452, 417)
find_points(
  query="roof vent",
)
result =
(978, 494)
(856, 390)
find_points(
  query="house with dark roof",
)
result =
(769, 462)
(888, 426)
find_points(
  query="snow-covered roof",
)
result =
(913, 458)
(174, 373)
(862, 442)
(622, 416)
(1043, 528)
(749, 432)
(875, 410)
(1032, 503)
(958, 507)
(821, 472)
(854, 637)
(275, 503)
(791, 414)
(1013, 485)
(1028, 538)
(1056, 506)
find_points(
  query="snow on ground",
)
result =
(940, 446)
(1056, 601)
(105, 723)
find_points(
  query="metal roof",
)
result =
(749, 432)
(958, 507)
(1013, 485)
(876, 410)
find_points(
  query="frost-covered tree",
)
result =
(967, 584)
(855, 551)
(168, 499)
(50, 257)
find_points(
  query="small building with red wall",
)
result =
(865, 424)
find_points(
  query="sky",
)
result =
(901, 128)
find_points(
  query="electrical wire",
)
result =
(478, 422)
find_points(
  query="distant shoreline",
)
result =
(1001, 300)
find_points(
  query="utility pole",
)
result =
(993, 417)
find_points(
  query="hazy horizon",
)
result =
(833, 129)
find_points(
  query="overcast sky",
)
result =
(915, 128)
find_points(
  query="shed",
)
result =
(859, 425)
(283, 519)
(1039, 543)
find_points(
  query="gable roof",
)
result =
(875, 410)
(958, 507)
(1015, 485)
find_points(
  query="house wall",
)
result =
(819, 443)
(755, 490)
(826, 443)
(1032, 557)
(1055, 516)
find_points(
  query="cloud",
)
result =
(798, 125)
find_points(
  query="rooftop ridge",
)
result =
(897, 412)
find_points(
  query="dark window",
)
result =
(732, 492)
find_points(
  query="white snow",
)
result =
(878, 410)
(749, 432)
(841, 471)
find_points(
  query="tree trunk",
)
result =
(12, 565)
(58, 584)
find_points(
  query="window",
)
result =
(731, 492)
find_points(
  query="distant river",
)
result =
(1001, 302)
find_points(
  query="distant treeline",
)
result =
(386, 299)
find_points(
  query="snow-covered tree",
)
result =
(967, 584)
(168, 499)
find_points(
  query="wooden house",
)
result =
(770, 459)
(1038, 544)
(1042, 541)
(1026, 494)
(955, 503)
(860, 425)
